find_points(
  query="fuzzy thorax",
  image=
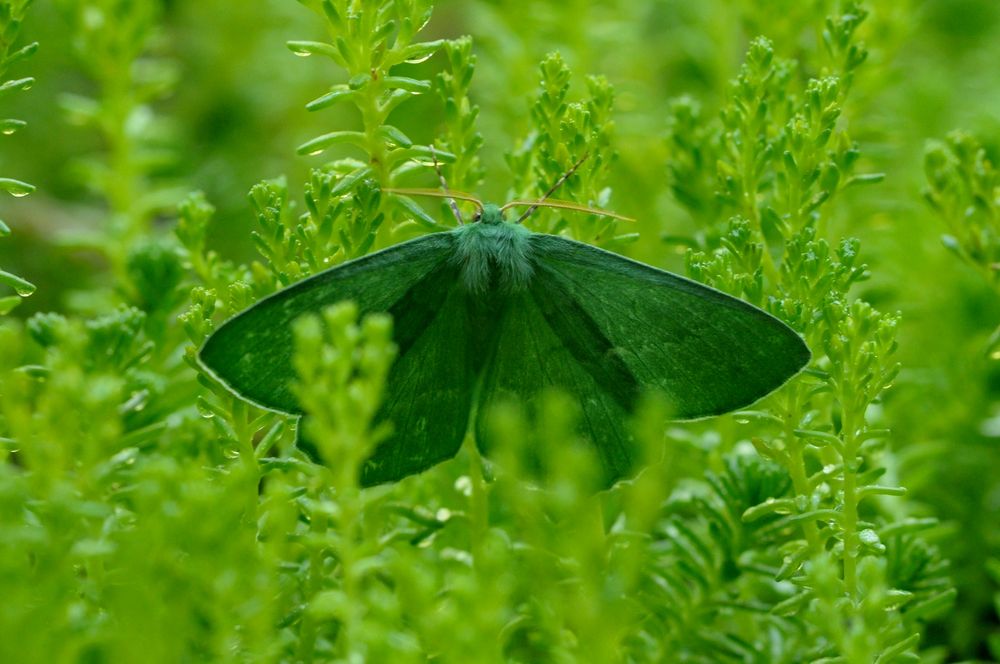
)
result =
(493, 253)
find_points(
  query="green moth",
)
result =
(491, 310)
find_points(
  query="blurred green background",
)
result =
(235, 112)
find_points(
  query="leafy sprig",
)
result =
(461, 137)
(12, 14)
(113, 42)
(562, 132)
(781, 158)
(963, 187)
(367, 45)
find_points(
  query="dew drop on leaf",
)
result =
(420, 58)
(464, 485)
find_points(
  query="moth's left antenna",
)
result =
(444, 186)
(552, 189)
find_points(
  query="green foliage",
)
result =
(12, 14)
(780, 161)
(562, 132)
(964, 189)
(462, 137)
(113, 40)
(368, 45)
(146, 514)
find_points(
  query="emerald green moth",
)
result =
(490, 311)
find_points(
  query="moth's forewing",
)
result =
(251, 353)
(708, 352)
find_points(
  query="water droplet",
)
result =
(464, 485)
(19, 193)
(24, 291)
(316, 152)
(420, 58)
(8, 130)
(301, 52)
(443, 514)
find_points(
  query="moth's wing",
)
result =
(542, 341)
(252, 352)
(708, 352)
(430, 387)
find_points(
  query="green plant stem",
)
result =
(478, 505)
(372, 118)
(797, 466)
(850, 513)
(244, 442)
(120, 189)
(749, 158)
(348, 543)
(318, 527)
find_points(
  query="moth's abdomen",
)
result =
(494, 257)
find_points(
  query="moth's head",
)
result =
(490, 213)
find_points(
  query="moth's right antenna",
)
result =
(444, 186)
(552, 189)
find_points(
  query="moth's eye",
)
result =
(477, 216)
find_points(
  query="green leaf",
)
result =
(23, 287)
(420, 52)
(409, 84)
(337, 94)
(321, 143)
(25, 51)
(9, 126)
(16, 187)
(395, 135)
(307, 48)
(16, 85)
(8, 303)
